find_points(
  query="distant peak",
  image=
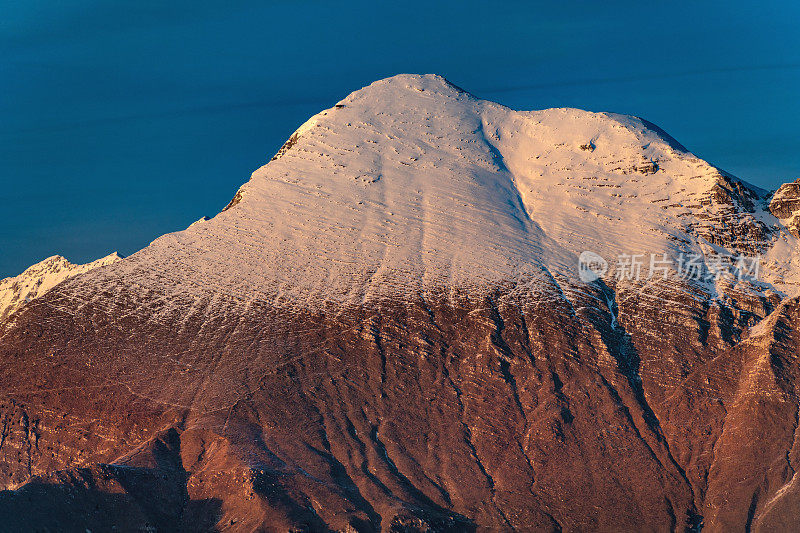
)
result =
(40, 278)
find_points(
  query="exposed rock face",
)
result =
(786, 200)
(785, 204)
(385, 331)
(729, 219)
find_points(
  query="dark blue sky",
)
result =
(124, 122)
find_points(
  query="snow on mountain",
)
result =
(242, 366)
(413, 186)
(40, 278)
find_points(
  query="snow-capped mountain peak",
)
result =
(387, 329)
(413, 186)
(38, 279)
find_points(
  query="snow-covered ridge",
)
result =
(40, 278)
(413, 186)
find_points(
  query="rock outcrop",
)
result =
(785, 204)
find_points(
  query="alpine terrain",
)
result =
(387, 329)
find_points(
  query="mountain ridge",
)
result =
(386, 330)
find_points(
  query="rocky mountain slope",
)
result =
(387, 329)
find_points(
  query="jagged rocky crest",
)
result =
(385, 330)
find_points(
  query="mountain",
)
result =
(390, 328)
(40, 278)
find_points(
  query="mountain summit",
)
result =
(387, 329)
